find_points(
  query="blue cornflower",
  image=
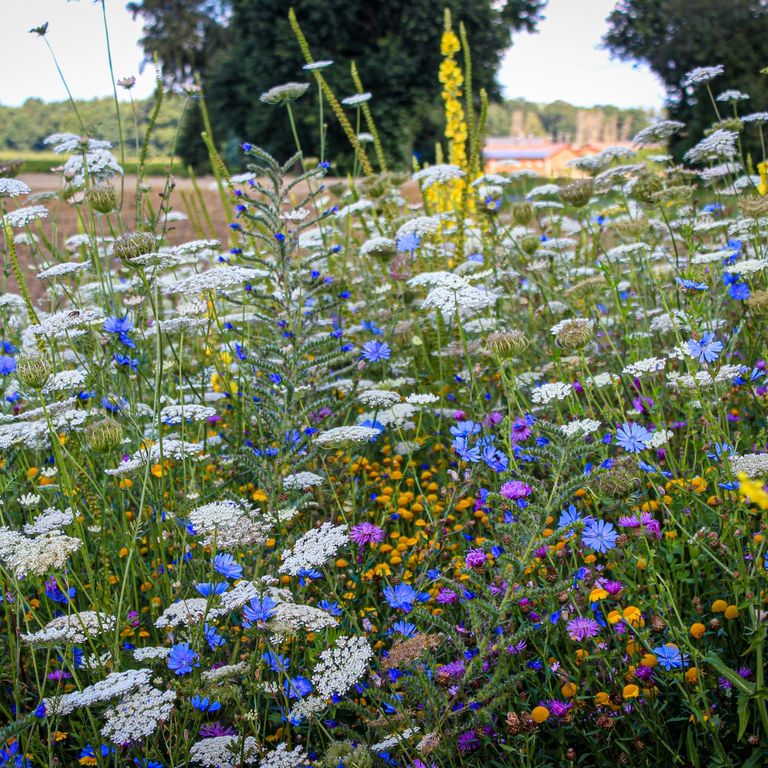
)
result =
(207, 588)
(141, 763)
(466, 453)
(375, 351)
(497, 460)
(669, 656)
(127, 361)
(571, 516)
(600, 536)
(369, 325)
(330, 606)
(408, 242)
(227, 566)
(213, 637)
(405, 628)
(720, 449)
(182, 659)
(739, 291)
(691, 285)
(258, 610)
(465, 428)
(633, 437)
(204, 704)
(276, 662)
(297, 687)
(707, 349)
(401, 597)
(307, 574)
(121, 326)
(7, 365)
(112, 404)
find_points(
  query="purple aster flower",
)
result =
(475, 558)
(521, 430)
(468, 742)
(644, 673)
(447, 596)
(581, 628)
(558, 708)
(515, 489)
(211, 730)
(366, 533)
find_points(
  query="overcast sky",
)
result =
(561, 61)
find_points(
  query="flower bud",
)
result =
(130, 246)
(620, 479)
(574, 333)
(578, 192)
(522, 214)
(102, 198)
(103, 435)
(646, 187)
(530, 244)
(506, 343)
(33, 370)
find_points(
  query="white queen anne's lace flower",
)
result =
(314, 548)
(556, 390)
(341, 666)
(700, 75)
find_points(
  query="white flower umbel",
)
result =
(657, 133)
(379, 398)
(13, 188)
(183, 613)
(171, 449)
(341, 436)
(38, 555)
(700, 75)
(137, 715)
(751, 464)
(50, 521)
(114, 685)
(282, 757)
(437, 174)
(302, 480)
(314, 548)
(75, 628)
(224, 752)
(21, 217)
(556, 390)
(341, 666)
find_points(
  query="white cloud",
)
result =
(563, 61)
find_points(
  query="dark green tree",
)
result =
(184, 35)
(675, 36)
(396, 45)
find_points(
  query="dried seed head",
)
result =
(753, 206)
(620, 479)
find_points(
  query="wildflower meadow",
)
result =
(418, 467)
